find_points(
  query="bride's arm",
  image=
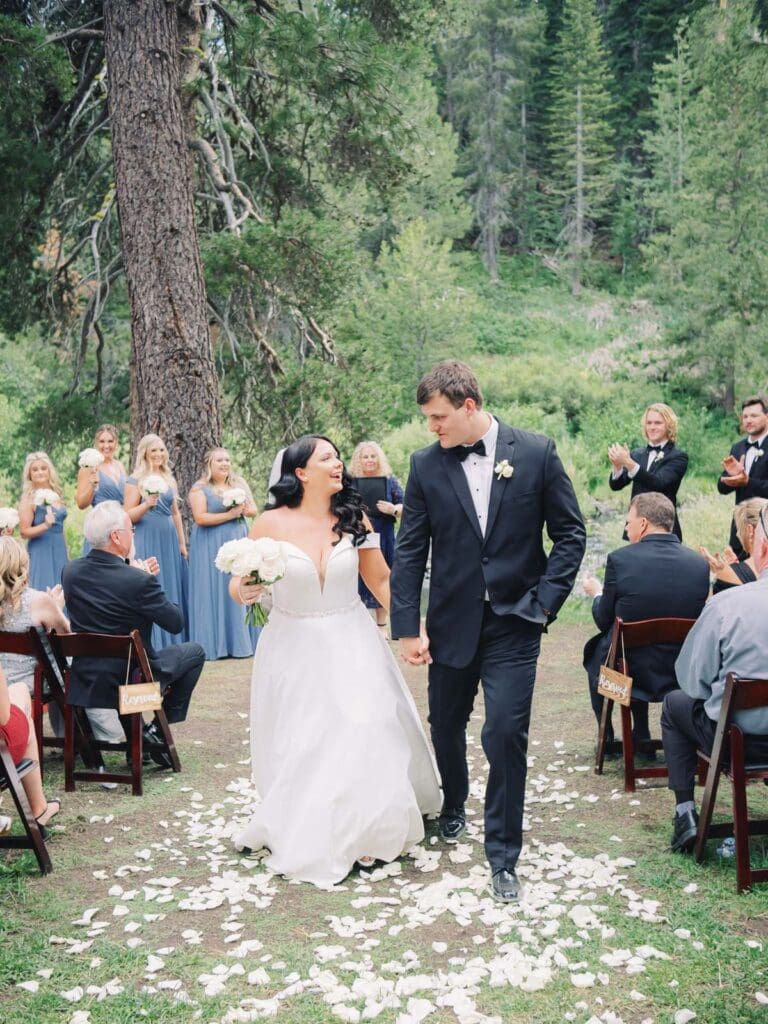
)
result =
(375, 573)
(239, 589)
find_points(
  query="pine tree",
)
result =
(580, 133)
(490, 93)
(711, 255)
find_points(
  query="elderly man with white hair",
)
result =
(729, 636)
(106, 594)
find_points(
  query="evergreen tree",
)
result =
(711, 256)
(490, 93)
(580, 133)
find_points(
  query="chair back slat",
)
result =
(16, 643)
(104, 645)
(749, 693)
(649, 632)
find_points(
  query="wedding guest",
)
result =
(41, 523)
(17, 731)
(652, 577)
(368, 460)
(220, 502)
(729, 636)
(727, 569)
(659, 467)
(106, 595)
(152, 502)
(745, 471)
(107, 482)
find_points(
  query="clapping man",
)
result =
(745, 470)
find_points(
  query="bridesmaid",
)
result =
(42, 525)
(107, 482)
(215, 621)
(158, 528)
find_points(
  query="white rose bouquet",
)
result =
(259, 561)
(9, 518)
(45, 496)
(153, 484)
(90, 458)
(233, 496)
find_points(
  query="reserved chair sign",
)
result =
(614, 685)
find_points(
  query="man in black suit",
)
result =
(104, 594)
(745, 471)
(653, 577)
(481, 496)
(659, 467)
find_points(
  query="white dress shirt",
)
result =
(752, 453)
(478, 469)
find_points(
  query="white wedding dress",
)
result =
(338, 754)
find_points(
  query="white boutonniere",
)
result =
(759, 453)
(503, 470)
(659, 456)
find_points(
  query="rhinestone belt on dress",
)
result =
(321, 614)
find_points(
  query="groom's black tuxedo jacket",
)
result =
(756, 488)
(509, 563)
(664, 476)
(105, 595)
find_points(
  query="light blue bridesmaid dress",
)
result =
(156, 535)
(47, 551)
(107, 490)
(215, 620)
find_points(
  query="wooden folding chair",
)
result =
(740, 695)
(10, 779)
(49, 687)
(130, 650)
(627, 636)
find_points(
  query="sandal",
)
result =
(48, 813)
(366, 862)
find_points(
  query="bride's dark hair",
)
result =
(346, 504)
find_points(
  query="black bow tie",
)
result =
(752, 444)
(655, 448)
(461, 451)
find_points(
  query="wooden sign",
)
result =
(614, 685)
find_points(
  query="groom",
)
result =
(481, 497)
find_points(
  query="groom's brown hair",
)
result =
(453, 379)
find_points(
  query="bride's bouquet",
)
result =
(9, 518)
(257, 561)
(90, 458)
(233, 496)
(45, 496)
(153, 484)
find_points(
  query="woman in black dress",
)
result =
(727, 569)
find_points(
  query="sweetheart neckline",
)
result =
(320, 578)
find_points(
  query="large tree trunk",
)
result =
(174, 388)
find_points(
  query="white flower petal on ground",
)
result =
(28, 986)
(585, 980)
(73, 995)
(762, 998)
(684, 1016)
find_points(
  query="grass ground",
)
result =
(150, 914)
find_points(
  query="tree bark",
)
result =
(174, 390)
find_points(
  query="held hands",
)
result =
(736, 475)
(619, 456)
(415, 649)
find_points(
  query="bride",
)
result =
(338, 753)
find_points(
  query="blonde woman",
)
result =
(41, 523)
(107, 482)
(152, 502)
(660, 466)
(219, 512)
(369, 462)
(726, 567)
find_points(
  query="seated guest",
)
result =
(653, 577)
(17, 731)
(729, 636)
(104, 594)
(728, 570)
(745, 471)
(659, 467)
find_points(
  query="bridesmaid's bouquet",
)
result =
(233, 496)
(45, 496)
(153, 484)
(257, 561)
(90, 458)
(9, 519)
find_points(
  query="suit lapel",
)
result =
(505, 448)
(461, 487)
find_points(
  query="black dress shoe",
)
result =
(452, 822)
(685, 829)
(153, 735)
(505, 886)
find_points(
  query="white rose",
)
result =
(9, 518)
(90, 458)
(233, 496)
(153, 484)
(45, 496)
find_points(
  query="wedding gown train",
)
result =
(338, 754)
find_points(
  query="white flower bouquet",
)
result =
(153, 484)
(257, 561)
(233, 496)
(45, 496)
(90, 458)
(9, 518)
